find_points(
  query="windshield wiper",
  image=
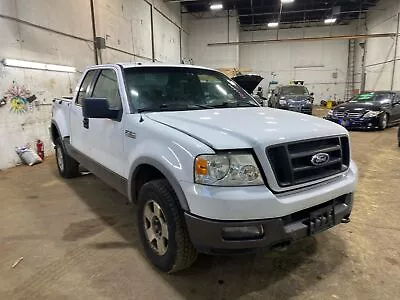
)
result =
(235, 104)
(167, 107)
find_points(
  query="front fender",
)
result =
(170, 151)
(167, 174)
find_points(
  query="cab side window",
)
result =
(107, 87)
(84, 88)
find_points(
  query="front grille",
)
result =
(292, 164)
(351, 115)
(354, 115)
(339, 114)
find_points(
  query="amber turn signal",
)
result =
(201, 166)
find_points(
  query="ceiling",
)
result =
(298, 13)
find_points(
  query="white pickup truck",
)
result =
(209, 169)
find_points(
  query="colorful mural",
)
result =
(19, 98)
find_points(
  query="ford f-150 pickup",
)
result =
(209, 169)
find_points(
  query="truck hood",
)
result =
(248, 82)
(241, 128)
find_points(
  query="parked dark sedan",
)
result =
(372, 110)
(294, 98)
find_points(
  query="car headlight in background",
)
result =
(282, 101)
(227, 170)
(371, 114)
(330, 113)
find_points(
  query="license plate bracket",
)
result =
(321, 219)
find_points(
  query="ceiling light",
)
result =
(287, 1)
(273, 24)
(330, 21)
(35, 65)
(216, 6)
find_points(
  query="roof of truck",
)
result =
(149, 64)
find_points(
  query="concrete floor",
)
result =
(78, 240)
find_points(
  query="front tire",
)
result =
(383, 121)
(67, 166)
(162, 228)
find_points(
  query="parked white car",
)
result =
(209, 169)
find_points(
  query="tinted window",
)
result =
(294, 90)
(372, 97)
(107, 87)
(174, 88)
(84, 86)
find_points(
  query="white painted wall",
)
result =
(207, 29)
(380, 51)
(315, 61)
(125, 24)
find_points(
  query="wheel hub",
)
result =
(155, 227)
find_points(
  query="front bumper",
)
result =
(360, 123)
(258, 202)
(305, 109)
(207, 235)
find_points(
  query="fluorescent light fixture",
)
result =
(216, 6)
(287, 1)
(35, 65)
(273, 24)
(330, 21)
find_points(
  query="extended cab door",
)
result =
(106, 135)
(78, 132)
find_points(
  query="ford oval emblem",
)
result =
(320, 159)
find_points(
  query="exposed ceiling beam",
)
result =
(299, 11)
(310, 39)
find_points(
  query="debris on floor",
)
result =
(17, 262)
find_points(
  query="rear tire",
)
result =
(383, 122)
(162, 228)
(67, 166)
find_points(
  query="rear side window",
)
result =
(107, 87)
(83, 90)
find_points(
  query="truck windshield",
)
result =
(294, 90)
(178, 88)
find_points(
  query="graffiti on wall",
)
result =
(19, 98)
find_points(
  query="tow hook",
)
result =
(346, 220)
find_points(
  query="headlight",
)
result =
(227, 170)
(330, 113)
(308, 102)
(371, 114)
(282, 102)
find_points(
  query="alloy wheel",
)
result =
(155, 227)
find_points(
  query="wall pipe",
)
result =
(395, 50)
(153, 55)
(45, 28)
(96, 51)
(310, 39)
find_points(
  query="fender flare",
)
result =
(167, 174)
(54, 123)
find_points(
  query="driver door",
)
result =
(106, 135)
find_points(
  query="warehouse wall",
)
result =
(65, 37)
(208, 29)
(316, 62)
(380, 51)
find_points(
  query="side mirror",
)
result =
(98, 108)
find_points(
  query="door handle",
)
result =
(85, 122)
